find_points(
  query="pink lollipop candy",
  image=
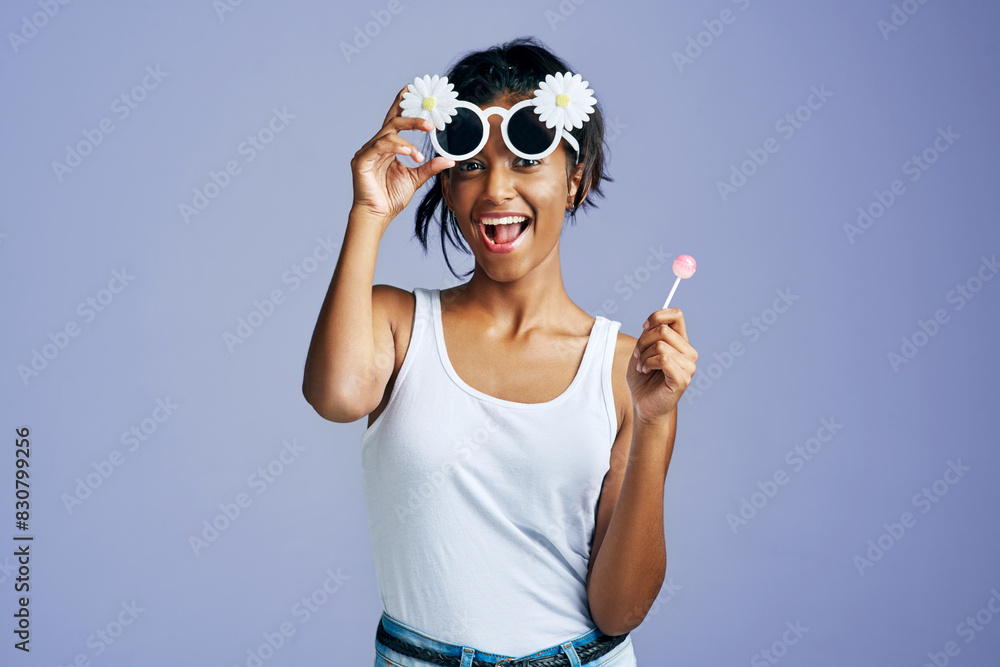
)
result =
(684, 267)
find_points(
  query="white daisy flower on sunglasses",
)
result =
(564, 100)
(431, 98)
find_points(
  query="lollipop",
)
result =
(684, 267)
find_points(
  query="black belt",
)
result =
(586, 652)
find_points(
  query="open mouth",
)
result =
(502, 233)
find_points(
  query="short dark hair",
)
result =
(512, 70)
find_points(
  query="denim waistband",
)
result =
(573, 653)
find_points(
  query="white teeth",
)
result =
(503, 221)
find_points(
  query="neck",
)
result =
(536, 299)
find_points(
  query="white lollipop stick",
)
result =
(672, 290)
(684, 267)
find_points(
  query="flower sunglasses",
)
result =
(562, 101)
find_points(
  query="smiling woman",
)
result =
(508, 148)
(534, 109)
(517, 447)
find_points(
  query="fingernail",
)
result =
(635, 353)
(420, 156)
(645, 324)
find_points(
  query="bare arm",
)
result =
(629, 564)
(628, 558)
(351, 355)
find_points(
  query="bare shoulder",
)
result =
(624, 347)
(396, 307)
(392, 314)
(394, 304)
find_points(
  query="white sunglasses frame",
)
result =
(506, 114)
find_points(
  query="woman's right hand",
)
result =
(383, 186)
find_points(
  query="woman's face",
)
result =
(496, 181)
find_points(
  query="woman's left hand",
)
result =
(664, 351)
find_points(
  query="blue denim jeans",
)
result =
(620, 656)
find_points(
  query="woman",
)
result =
(517, 447)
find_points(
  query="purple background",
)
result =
(675, 132)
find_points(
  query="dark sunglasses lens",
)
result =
(462, 134)
(527, 133)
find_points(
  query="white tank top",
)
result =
(482, 510)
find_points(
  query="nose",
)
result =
(499, 182)
(500, 175)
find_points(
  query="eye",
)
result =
(462, 165)
(523, 161)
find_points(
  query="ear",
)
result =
(575, 176)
